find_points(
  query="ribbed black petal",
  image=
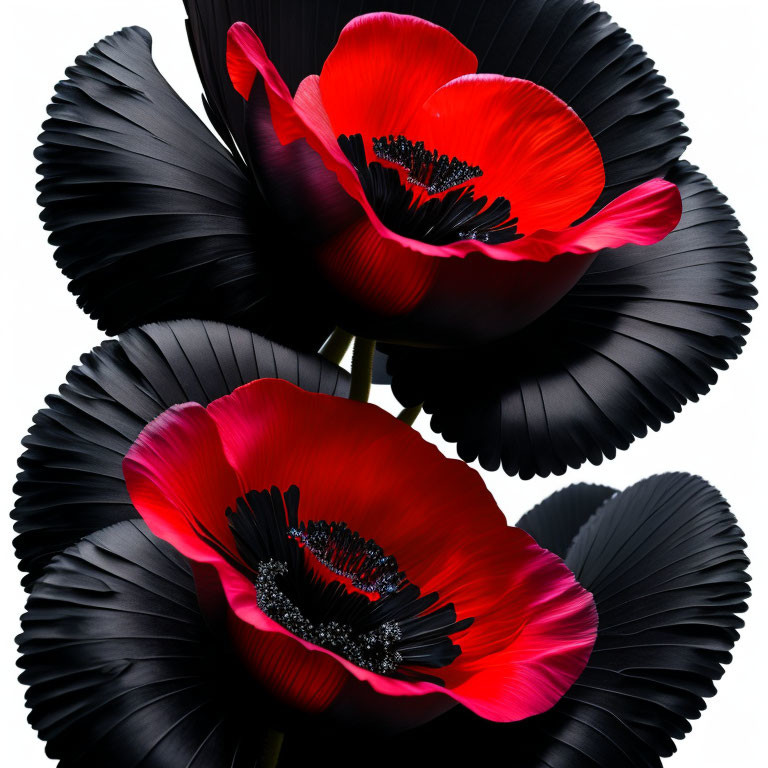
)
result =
(151, 216)
(640, 335)
(71, 482)
(555, 521)
(568, 46)
(122, 669)
(665, 561)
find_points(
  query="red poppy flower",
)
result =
(154, 218)
(444, 163)
(395, 584)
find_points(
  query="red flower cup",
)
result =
(391, 591)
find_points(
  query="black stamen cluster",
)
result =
(348, 554)
(388, 633)
(374, 650)
(439, 221)
(436, 173)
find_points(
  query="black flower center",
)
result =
(348, 554)
(458, 215)
(374, 650)
(330, 586)
(436, 173)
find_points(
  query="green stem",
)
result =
(362, 369)
(336, 346)
(409, 415)
(273, 743)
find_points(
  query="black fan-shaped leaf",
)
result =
(71, 482)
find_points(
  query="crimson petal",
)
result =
(532, 625)
(71, 482)
(387, 289)
(532, 149)
(382, 70)
(570, 47)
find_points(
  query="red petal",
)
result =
(299, 118)
(383, 68)
(356, 463)
(180, 481)
(643, 216)
(376, 273)
(404, 290)
(532, 148)
(534, 629)
(306, 680)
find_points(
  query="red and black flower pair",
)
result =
(503, 232)
(309, 564)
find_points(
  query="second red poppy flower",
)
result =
(362, 570)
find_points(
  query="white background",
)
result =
(712, 54)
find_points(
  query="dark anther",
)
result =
(374, 650)
(347, 554)
(458, 215)
(436, 173)
(386, 626)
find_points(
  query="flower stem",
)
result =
(362, 369)
(336, 346)
(273, 743)
(409, 415)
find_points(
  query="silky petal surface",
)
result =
(152, 218)
(532, 148)
(394, 288)
(355, 463)
(382, 70)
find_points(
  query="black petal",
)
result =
(121, 667)
(72, 479)
(665, 561)
(568, 46)
(640, 335)
(151, 216)
(555, 521)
